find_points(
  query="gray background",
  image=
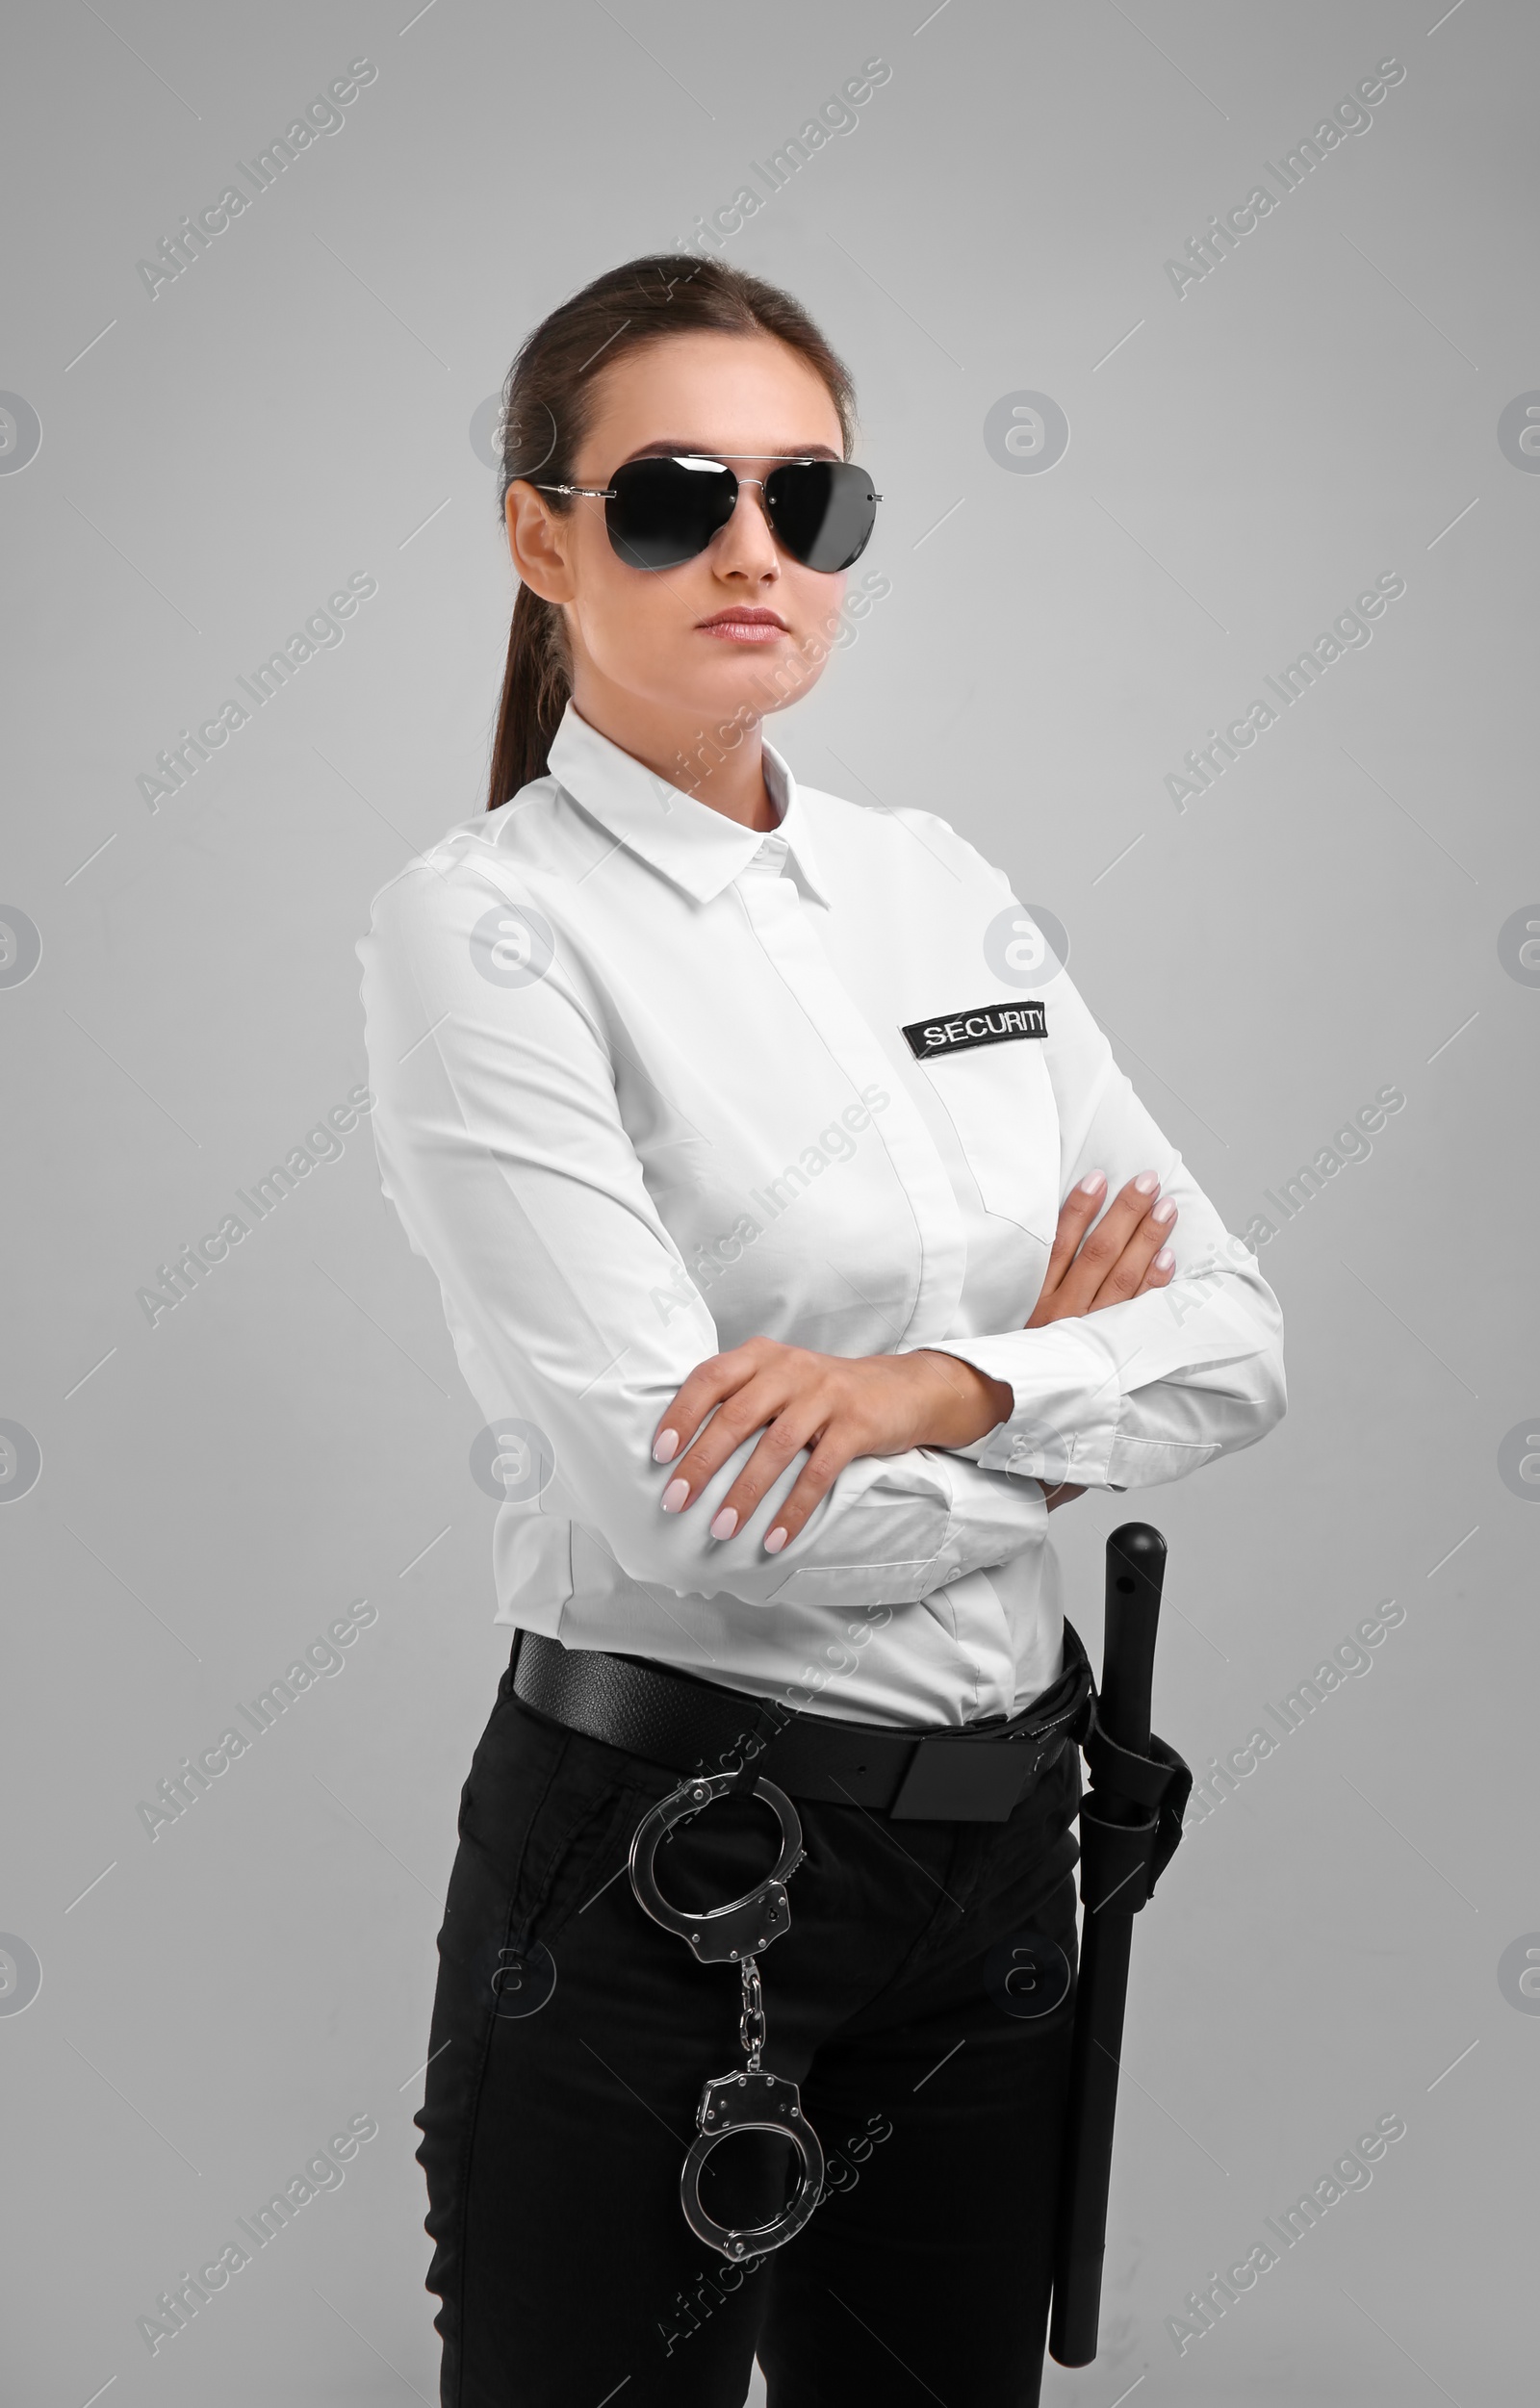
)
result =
(214, 1489)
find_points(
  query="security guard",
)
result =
(802, 1246)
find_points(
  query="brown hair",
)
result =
(546, 415)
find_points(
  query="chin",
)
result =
(735, 681)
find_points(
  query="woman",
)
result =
(802, 1246)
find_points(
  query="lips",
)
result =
(744, 625)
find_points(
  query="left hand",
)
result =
(840, 1406)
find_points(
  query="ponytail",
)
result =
(536, 685)
(547, 412)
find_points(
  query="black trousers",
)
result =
(922, 1998)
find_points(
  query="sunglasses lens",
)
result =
(666, 511)
(822, 510)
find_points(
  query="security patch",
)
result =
(987, 1024)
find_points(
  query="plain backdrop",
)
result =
(1346, 909)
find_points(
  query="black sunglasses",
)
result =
(665, 509)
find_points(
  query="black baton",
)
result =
(1130, 1822)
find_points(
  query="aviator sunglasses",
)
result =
(663, 510)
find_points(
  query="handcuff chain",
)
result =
(750, 2022)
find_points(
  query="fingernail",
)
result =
(675, 1495)
(776, 1541)
(1164, 1212)
(1165, 1261)
(665, 1446)
(725, 1522)
(1093, 1184)
(1147, 1183)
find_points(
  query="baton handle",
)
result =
(1136, 1569)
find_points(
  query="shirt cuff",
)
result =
(1069, 1397)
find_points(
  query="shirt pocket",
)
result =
(1000, 1102)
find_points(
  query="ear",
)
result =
(540, 542)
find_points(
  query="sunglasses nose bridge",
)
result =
(739, 483)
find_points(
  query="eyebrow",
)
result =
(668, 447)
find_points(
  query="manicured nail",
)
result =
(776, 1541)
(674, 1496)
(725, 1522)
(1163, 1262)
(1164, 1212)
(665, 1446)
(1094, 1183)
(1147, 1183)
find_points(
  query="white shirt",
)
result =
(643, 1092)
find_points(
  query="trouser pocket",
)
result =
(547, 1816)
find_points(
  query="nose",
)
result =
(746, 547)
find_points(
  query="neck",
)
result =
(674, 748)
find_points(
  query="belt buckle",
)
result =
(965, 1780)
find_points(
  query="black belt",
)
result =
(678, 1721)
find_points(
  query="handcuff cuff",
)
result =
(753, 2100)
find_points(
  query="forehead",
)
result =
(748, 393)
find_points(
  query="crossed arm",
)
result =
(881, 1404)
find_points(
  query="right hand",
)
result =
(1125, 1256)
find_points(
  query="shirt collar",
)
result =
(690, 843)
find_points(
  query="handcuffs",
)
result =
(753, 2100)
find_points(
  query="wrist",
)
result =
(961, 1403)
